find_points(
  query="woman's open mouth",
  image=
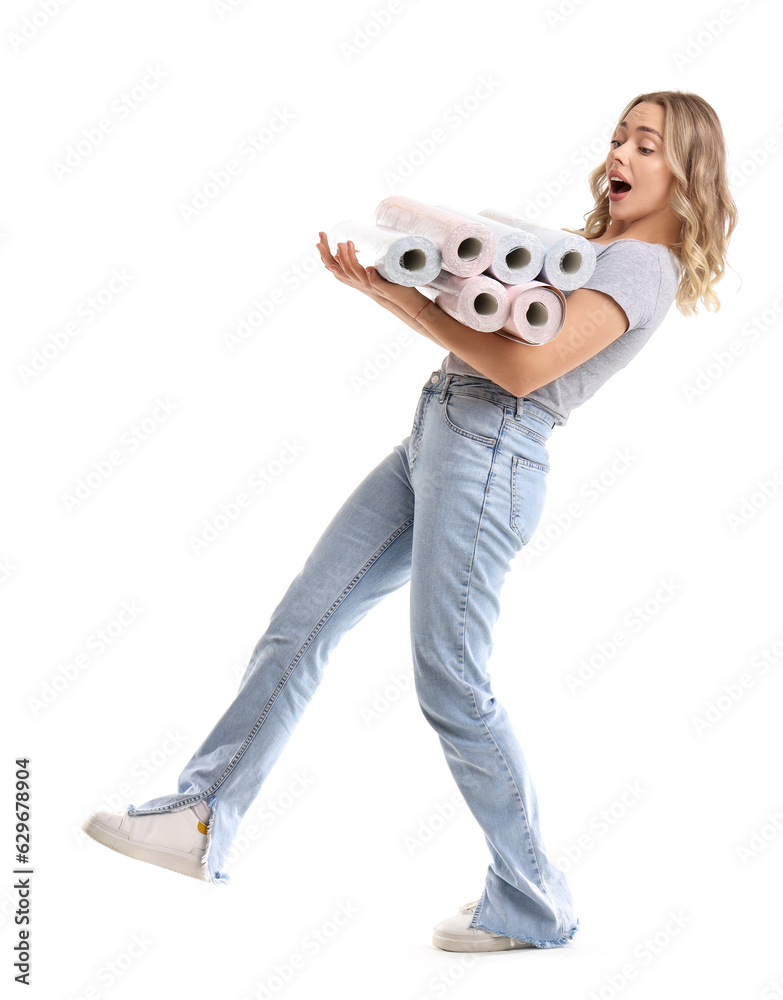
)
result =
(618, 189)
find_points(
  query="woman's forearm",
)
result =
(494, 356)
(414, 324)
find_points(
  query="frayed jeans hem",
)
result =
(559, 943)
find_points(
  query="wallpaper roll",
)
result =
(403, 258)
(467, 248)
(537, 315)
(479, 302)
(569, 260)
(519, 256)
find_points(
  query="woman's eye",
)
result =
(642, 149)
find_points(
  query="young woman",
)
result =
(447, 510)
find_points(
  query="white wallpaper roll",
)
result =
(537, 313)
(403, 258)
(569, 259)
(467, 248)
(519, 256)
(479, 302)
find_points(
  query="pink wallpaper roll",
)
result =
(537, 314)
(479, 302)
(519, 256)
(467, 248)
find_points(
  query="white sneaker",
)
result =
(454, 934)
(173, 840)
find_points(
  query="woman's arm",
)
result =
(593, 321)
(407, 318)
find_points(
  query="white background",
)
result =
(335, 378)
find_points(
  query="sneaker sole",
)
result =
(455, 942)
(162, 857)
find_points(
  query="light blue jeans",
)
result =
(446, 510)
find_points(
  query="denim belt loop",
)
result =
(444, 388)
(520, 407)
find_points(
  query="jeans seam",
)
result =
(517, 425)
(417, 432)
(514, 525)
(542, 884)
(303, 648)
(516, 461)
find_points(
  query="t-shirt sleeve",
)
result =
(630, 272)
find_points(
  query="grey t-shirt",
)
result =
(642, 278)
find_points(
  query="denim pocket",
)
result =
(474, 417)
(528, 492)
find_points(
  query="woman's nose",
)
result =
(617, 163)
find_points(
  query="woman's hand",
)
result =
(346, 268)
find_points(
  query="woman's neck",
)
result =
(664, 230)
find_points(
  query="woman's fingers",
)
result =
(326, 255)
(349, 266)
(355, 268)
(346, 267)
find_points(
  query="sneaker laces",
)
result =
(467, 907)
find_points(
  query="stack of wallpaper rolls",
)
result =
(493, 271)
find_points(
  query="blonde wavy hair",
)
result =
(694, 149)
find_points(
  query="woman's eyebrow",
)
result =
(642, 128)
